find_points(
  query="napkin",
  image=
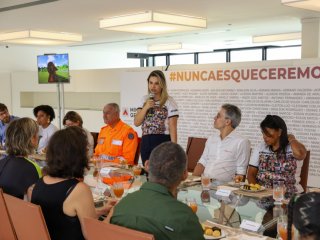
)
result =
(226, 188)
(106, 170)
(245, 237)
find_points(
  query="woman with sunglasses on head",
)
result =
(157, 114)
(279, 157)
(73, 118)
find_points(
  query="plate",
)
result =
(234, 184)
(262, 188)
(212, 237)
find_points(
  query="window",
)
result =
(246, 55)
(160, 61)
(284, 53)
(182, 59)
(213, 57)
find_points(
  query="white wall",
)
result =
(24, 58)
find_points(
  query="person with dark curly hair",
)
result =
(44, 114)
(303, 214)
(64, 199)
(17, 171)
(280, 156)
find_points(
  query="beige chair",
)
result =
(97, 230)
(6, 228)
(27, 219)
(194, 151)
(305, 171)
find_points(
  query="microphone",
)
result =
(151, 95)
(151, 110)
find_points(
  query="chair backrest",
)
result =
(305, 171)
(137, 155)
(97, 230)
(27, 219)
(6, 227)
(194, 151)
(95, 139)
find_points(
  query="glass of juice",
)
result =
(136, 170)
(191, 202)
(282, 227)
(205, 181)
(117, 189)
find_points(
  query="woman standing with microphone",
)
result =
(157, 114)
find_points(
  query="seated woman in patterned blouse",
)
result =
(280, 156)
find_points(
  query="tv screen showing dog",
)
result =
(53, 68)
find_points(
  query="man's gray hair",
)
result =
(167, 164)
(115, 106)
(233, 113)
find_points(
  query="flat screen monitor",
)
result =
(53, 68)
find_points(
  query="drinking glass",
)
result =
(136, 170)
(123, 163)
(191, 202)
(282, 227)
(205, 181)
(117, 189)
(278, 191)
(100, 186)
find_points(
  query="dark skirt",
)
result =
(149, 142)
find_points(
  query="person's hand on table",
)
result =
(106, 208)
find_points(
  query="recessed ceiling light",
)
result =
(151, 22)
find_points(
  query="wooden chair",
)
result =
(6, 227)
(27, 219)
(194, 151)
(97, 230)
(137, 155)
(305, 171)
(95, 139)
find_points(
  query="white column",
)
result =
(310, 38)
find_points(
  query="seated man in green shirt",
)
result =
(154, 208)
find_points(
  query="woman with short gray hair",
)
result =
(17, 172)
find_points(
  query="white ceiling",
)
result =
(231, 23)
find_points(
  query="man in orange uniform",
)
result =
(116, 140)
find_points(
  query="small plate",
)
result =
(262, 188)
(234, 184)
(212, 237)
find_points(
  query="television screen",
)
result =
(53, 68)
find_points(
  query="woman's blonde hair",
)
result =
(19, 136)
(163, 84)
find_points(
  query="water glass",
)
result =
(278, 191)
(205, 181)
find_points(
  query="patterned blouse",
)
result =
(275, 166)
(156, 120)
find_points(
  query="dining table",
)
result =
(227, 211)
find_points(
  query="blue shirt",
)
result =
(3, 127)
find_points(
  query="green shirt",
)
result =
(154, 210)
